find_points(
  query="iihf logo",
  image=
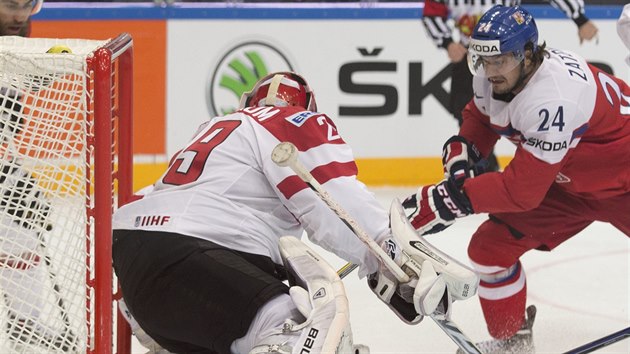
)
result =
(151, 220)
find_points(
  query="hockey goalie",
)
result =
(203, 255)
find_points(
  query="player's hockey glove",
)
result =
(461, 160)
(434, 207)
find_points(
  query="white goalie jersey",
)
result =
(244, 201)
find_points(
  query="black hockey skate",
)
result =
(521, 343)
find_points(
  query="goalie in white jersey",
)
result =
(198, 257)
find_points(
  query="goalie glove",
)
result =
(434, 207)
(387, 288)
(436, 279)
(461, 160)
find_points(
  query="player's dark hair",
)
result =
(539, 55)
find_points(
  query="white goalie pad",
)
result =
(320, 295)
(462, 281)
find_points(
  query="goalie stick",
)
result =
(447, 325)
(285, 154)
(601, 342)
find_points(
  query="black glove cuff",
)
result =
(459, 197)
(580, 20)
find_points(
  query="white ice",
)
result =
(581, 290)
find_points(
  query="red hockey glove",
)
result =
(461, 160)
(434, 208)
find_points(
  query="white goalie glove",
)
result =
(436, 279)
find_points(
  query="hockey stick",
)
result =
(286, 154)
(448, 326)
(346, 269)
(601, 342)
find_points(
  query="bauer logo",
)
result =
(309, 342)
(237, 72)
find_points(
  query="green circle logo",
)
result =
(238, 71)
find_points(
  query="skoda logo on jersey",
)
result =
(237, 72)
(485, 47)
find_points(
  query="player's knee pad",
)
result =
(319, 295)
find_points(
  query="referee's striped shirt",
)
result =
(465, 14)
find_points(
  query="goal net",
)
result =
(65, 141)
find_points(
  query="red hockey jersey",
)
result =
(571, 125)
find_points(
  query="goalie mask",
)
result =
(281, 89)
(499, 40)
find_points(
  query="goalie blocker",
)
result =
(437, 279)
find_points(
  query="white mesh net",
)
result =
(45, 127)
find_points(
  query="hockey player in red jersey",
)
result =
(570, 123)
(465, 14)
(199, 257)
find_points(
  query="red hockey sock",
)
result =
(504, 316)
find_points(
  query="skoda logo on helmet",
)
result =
(481, 48)
(485, 47)
(237, 72)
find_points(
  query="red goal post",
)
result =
(65, 129)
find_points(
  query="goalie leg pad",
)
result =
(327, 326)
(318, 293)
